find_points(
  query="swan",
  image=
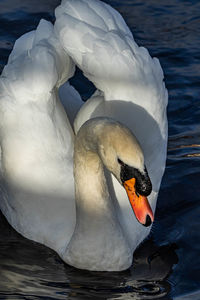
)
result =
(123, 127)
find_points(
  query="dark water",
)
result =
(168, 265)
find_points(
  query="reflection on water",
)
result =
(30, 269)
(170, 29)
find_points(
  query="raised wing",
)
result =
(36, 140)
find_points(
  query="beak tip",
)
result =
(148, 221)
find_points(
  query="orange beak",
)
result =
(140, 204)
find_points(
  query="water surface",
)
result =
(167, 266)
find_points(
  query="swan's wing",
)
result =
(51, 66)
(68, 95)
(99, 41)
(36, 140)
(95, 36)
(131, 84)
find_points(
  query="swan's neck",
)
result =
(92, 198)
(98, 242)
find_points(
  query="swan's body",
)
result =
(36, 139)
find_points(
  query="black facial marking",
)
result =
(143, 184)
(120, 162)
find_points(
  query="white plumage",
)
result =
(36, 138)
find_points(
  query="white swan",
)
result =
(36, 139)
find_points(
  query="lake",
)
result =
(166, 266)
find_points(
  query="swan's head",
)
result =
(123, 157)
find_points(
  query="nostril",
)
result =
(148, 221)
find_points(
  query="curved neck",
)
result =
(92, 197)
(97, 228)
(95, 209)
